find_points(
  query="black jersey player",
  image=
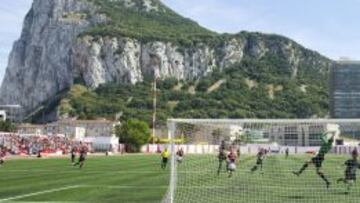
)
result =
(73, 155)
(259, 160)
(82, 156)
(350, 172)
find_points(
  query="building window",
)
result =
(266, 135)
(290, 129)
(314, 136)
(291, 136)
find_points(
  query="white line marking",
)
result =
(130, 187)
(185, 187)
(83, 172)
(155, 187)
(101, 172)
(40, 193)
(124, 186)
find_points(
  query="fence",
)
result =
(246, 149)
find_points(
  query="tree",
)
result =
(7, 126)
(203, 85)
(168, 83)
(133, 133)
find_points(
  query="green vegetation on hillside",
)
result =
(253, 89)
(135, 22)
(7, 126)
(132, 19)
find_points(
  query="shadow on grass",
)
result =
(294, 197)
(341, 193)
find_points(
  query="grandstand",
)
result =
(17, 144)
(98, 134)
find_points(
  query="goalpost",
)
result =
(204, 177)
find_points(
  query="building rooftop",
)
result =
(346, 62)
(69, 122)
(102, 121)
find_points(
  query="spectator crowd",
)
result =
(16, 144)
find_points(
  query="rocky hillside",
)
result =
(95, 42)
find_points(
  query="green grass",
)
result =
(103, 179)
(198, 182)
(137, 178)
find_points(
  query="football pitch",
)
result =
(139, 179)
(115, 179)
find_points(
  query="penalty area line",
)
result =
(149, 187)
(39, 193)
(184, 187)
(102, 172)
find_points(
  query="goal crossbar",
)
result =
(264, 121)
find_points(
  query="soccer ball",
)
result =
(232, 166)
(333, 129)
(179, 159)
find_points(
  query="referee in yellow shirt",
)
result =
(165, 156)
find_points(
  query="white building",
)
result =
(300, 135)
(289, 134)
(2, 115)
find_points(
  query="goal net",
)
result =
(262, 161)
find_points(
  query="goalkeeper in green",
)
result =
(326, 145)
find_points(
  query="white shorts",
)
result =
(179, 158)
(232, 166)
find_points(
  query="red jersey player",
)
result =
(231, 167)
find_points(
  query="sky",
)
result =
(12, 15)
(330, 27)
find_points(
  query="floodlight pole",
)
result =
(154, 111)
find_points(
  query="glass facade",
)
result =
(345, 91)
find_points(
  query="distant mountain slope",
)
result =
(147, 20)
(127, 42)
(245, 90)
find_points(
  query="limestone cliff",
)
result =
(58, 47)
(40, 62)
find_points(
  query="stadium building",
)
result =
(282, 134)
(300, 135)
(345, 90)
